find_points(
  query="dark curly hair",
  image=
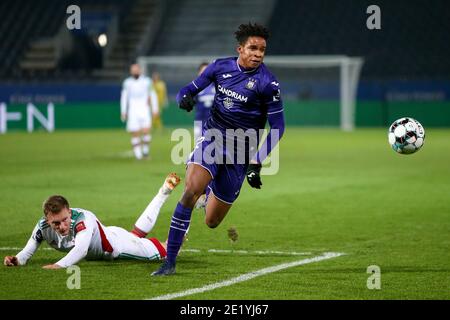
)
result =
(250, 30)
(54, 204)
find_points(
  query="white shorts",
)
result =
(138, 118)
(128, 246)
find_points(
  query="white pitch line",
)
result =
(260, 252)
(17, 248)
(248, 276)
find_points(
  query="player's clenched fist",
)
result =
(10, 261)
(253, 177)
(187, 103)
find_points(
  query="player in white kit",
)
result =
(136, 99)
(80, 233)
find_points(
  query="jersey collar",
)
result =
(242, 69)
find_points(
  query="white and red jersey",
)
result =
(86, 239)
(89, 238)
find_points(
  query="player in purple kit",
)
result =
(247, 96)
(204, 101)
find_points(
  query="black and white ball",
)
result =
(406, 135)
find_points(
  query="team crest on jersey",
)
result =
(228, 103)
(250, 84)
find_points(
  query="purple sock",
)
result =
(180, 222)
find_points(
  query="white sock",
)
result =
(136, 143)
(148, 218)
(146, 144)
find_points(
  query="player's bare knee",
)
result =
(212, 223)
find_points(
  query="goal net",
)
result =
(316, 90)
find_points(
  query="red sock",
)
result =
(138, 232)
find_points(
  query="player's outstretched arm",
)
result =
(79, 251)
(185, 97)
(28, 251)
(276, 122)
(271, 97)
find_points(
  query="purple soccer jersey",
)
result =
(245, 99)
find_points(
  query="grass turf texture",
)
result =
(335, 191)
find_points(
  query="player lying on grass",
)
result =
(82, 235)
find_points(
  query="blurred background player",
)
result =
(138, 103)
(248, 96)
(204, 101)
(163, 102)
(79, 232)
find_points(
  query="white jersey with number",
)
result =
(134, 101)
(89, 239)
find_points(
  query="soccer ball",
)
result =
(406, 135)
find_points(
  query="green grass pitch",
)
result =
(335, 192)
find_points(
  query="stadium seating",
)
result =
(22, 21)
(30, 49)
(205, 27)
(414, 40)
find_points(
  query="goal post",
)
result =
(325, 77)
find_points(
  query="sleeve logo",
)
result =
(277, 96)
(80, 226)
(38, 236)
